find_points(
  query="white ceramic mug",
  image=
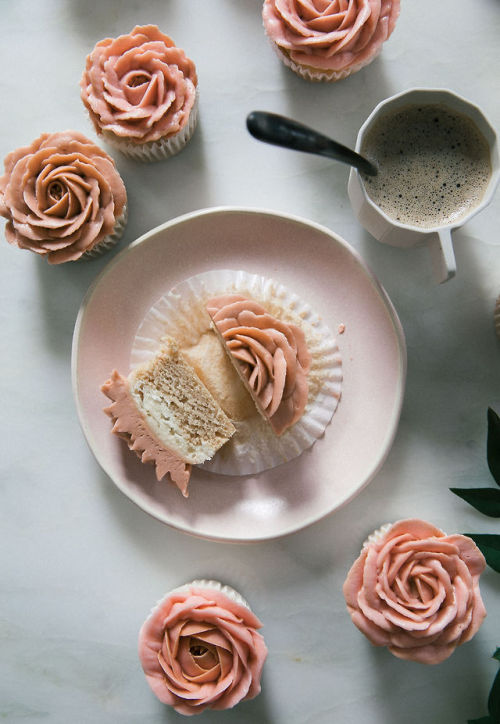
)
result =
(395, 233)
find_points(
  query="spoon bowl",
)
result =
(282, 131)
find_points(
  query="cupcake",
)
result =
(270, 356)
(415, 590)
(265, 355)
(166, 415)
(141, 93)
(62, 197)
(200, 648)
(328, 41)
(496, 316)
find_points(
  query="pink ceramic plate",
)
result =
(321, 268)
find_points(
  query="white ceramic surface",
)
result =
(386, 229)
(344, 292)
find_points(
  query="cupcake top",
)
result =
(330, 36)
(271, 356)
(139, 87)
(415, 590)
(61, 196)
(200, 649)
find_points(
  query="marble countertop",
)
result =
(81, 565)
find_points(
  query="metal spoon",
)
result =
(281, 131)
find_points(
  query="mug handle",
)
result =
(443, 261)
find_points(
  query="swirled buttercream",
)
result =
(272, 357)
(131, 425)
(139, 87)
(334, 38)
(61, 195)
(200, 649)
(415, 590)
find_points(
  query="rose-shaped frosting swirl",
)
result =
(61, 195)
(199, 649)
(271, 356)
(139, 86)
(416, 591)
(331, 35)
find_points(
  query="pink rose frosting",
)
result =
(271, 356)
(139, 86)
(130, 424)
(199, 649)
(416, 591)
(61, 196)
(331, 35)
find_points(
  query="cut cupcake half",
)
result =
(271, 357)
(166, 415)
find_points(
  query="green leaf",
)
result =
(493, 444)
(486, 500)
(496, 655)
(489, 545)
(494, 699)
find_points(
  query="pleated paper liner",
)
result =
(181, 314)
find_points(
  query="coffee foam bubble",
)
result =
(434, 165)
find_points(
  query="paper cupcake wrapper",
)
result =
(109, 241)
(317, 74)
(496, 316)
(158, 150)
(254, 447)
(377, 535)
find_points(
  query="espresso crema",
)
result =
(433, 165)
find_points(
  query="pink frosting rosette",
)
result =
(272, 357)
(62, 197)
(139, 88)
(415, 590)
(200, 649)
(329, 39)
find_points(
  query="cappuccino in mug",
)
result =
(433, 165)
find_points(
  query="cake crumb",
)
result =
(341, 328)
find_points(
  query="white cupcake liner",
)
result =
(158, 150)
(496, 316)
(308, 72)
(254, 447)
(109, 241)
(376, 535)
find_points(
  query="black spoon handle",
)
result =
(281, 131)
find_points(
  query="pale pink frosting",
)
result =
(272, 356)
(199, 649)
(415, 590)
(131, 425)
(331, 35)
(139, 86)
(61, 196)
